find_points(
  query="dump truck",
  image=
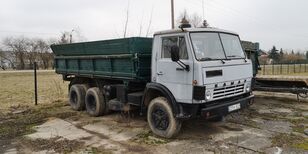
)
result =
(177, 75)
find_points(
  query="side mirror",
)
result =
(175, 53)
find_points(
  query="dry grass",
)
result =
(17, 89)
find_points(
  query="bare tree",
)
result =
(126, 21)
(2, 60)
(18, 47)
(44, 53)
(32, 52)
(195, 20)
(140, 26)
(6, 60)
(77, 35)
(64, 38)
(150, 23)
(183, 15)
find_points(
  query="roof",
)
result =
(177, 30)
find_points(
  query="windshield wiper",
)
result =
(236, 56)
(232, 56)
(208, 58)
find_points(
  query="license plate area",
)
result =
(234, 107)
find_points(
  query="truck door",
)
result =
(171, 74)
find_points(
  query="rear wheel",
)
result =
(161, 120)
(95, 102)
(77, 96)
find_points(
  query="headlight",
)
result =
(247, 89)
(208, 95)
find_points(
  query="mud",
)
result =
(270, 125)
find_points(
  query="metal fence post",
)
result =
(288, 68)
(264, 69)
(280, 68)
(35, 82)
(273, 68)
(294, 67)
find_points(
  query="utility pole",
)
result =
(172, 14)
(203, 9)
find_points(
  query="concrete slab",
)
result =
(273, 150)
(282, 110)
(276, 126)
(11, 151)
(113, 133)
(58, 128)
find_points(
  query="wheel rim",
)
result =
(160, 118)
(91, 102)
(74, 97)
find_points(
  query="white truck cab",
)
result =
(215, 59)
(205, 70)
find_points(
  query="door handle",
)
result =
(160, 73)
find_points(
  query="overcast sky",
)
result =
(270, 22)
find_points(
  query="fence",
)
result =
(285, 68)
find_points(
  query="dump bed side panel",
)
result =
(121, 59)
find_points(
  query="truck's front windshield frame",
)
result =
(224, 55)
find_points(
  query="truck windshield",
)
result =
(214, 46)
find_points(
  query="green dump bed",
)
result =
(128, 58)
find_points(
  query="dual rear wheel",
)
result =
(92, 99)
(159, 115)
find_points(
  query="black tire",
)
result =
(77, 97)
(161, 120)
(95, 102)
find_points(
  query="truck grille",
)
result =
(228, 91)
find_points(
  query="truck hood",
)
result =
(233, 70)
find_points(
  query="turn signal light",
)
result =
(194, 82)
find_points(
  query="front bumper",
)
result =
(222, 109)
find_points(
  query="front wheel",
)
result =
(161, 120)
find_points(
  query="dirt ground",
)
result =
(275, 123)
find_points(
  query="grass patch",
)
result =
(291, 140)
(94, 150)
(58, 144)
(298, 125)
(303, 145)
(148, 138)
(18, 89)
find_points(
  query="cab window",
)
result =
(168, 42)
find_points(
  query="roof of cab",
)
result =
(177, 30)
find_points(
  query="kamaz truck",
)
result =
(177, 75)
